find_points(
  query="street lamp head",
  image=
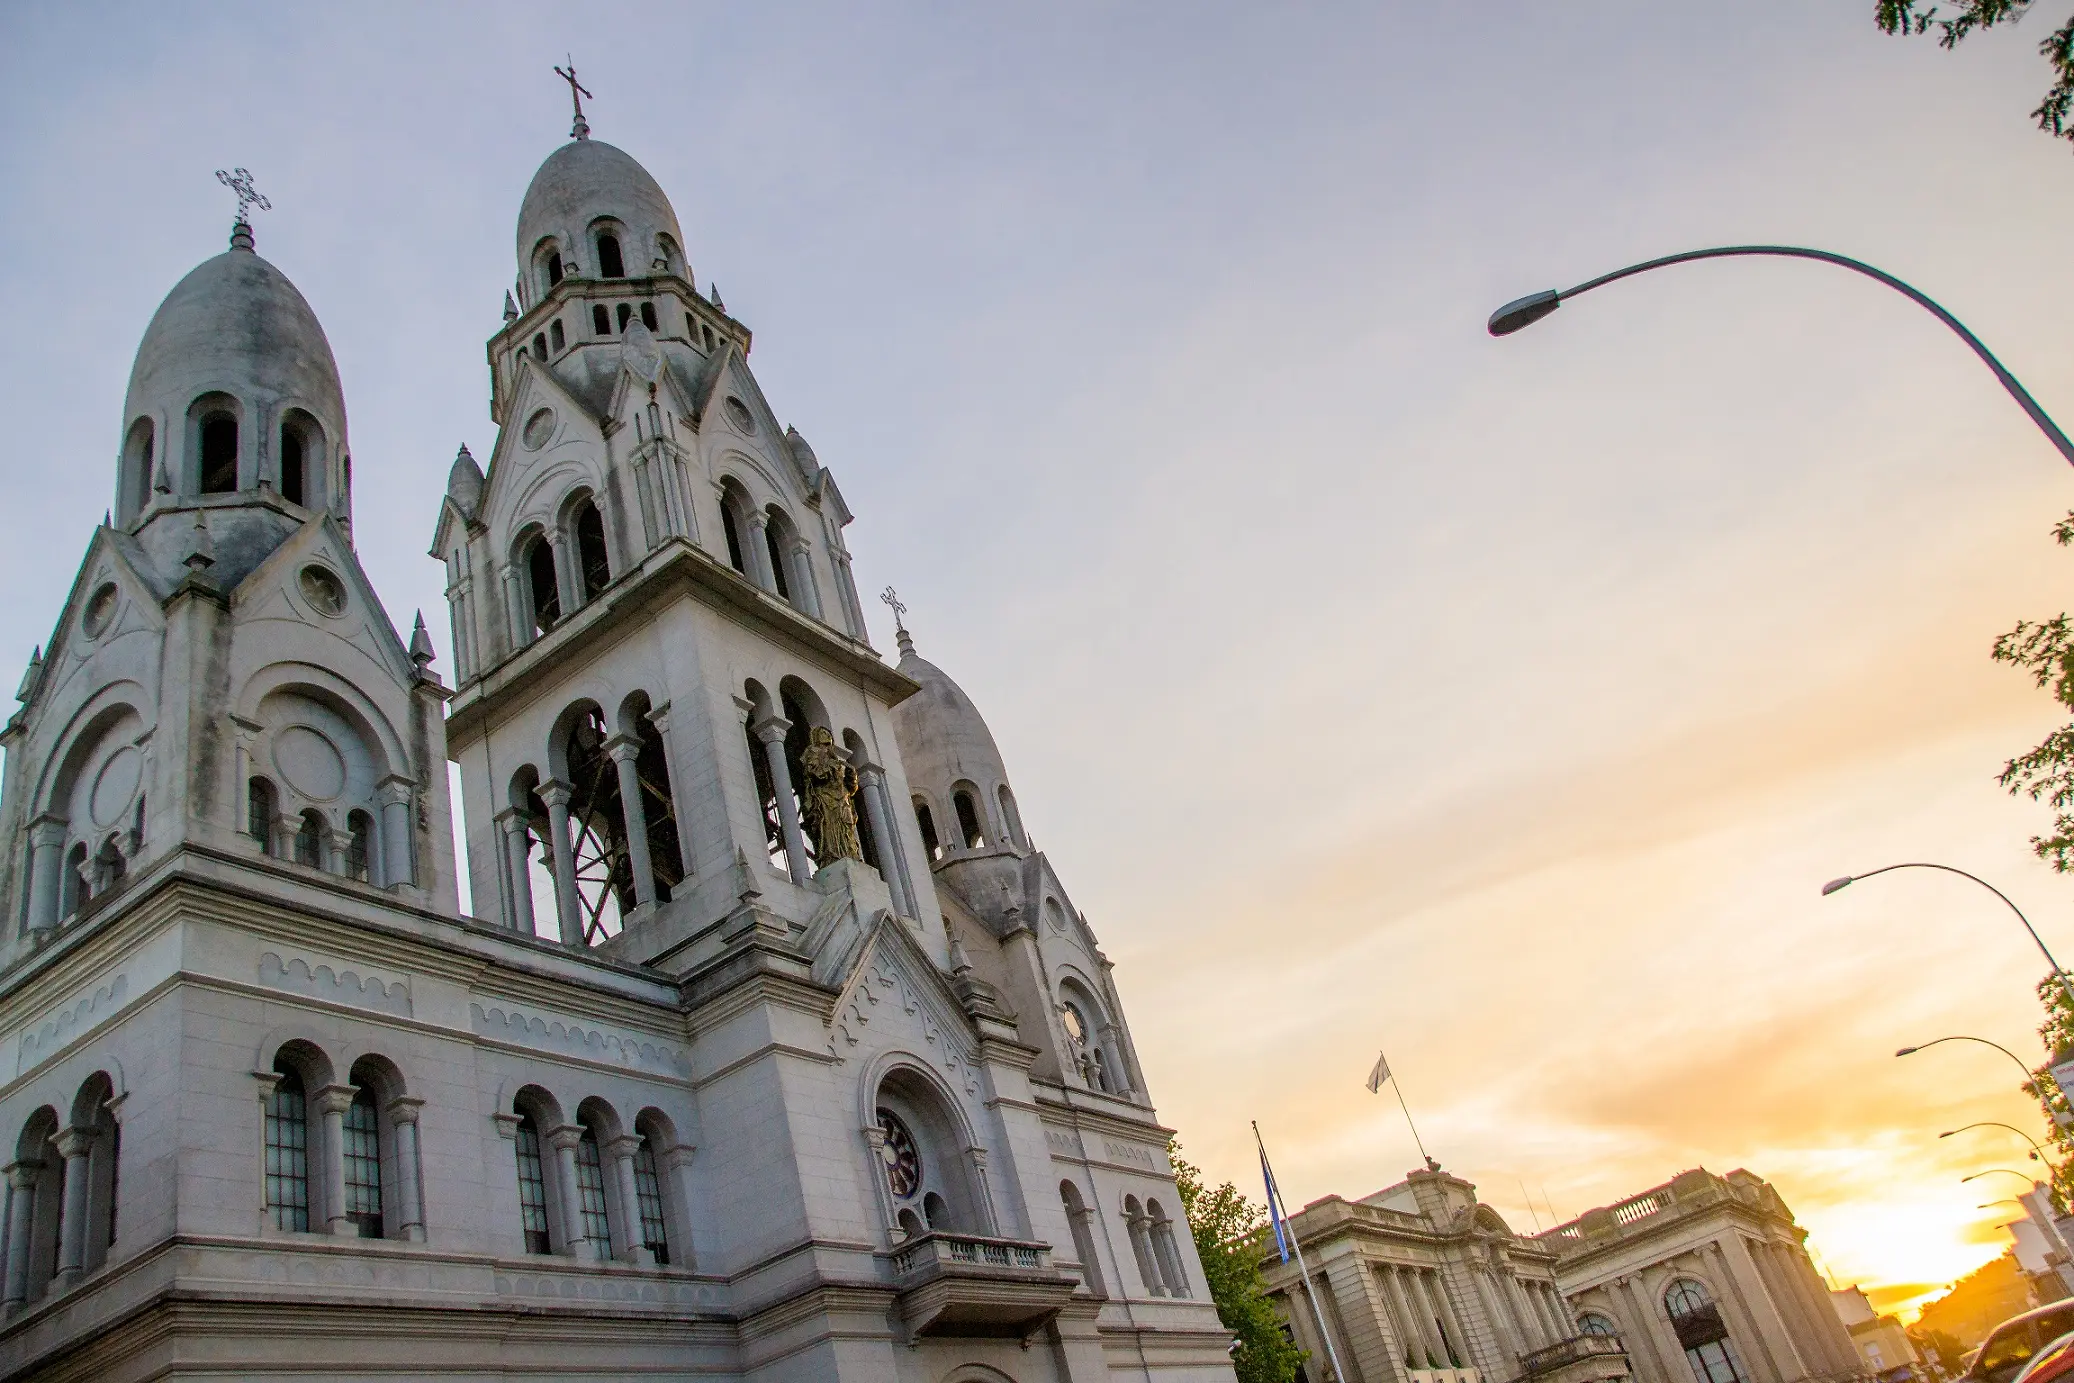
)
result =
(1834, 884)
(1947, 1133)
(1524, 312)
(1908, 1051)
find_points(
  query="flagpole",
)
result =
(1309, 1289)
(1398, 1086)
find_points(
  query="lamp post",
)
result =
(2066, 985)
(2037, 1152)
(2028, 1179)
(1524, 312)
(1962, 1037)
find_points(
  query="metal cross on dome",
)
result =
(577, 91)
(239, 181)
(892, 599)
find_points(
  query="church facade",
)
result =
(774, 1049)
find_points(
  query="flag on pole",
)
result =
(1274, 1206)
(1380, 1074)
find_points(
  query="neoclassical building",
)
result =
(772, 1049)
(1423, 1283)
(1706, 1279)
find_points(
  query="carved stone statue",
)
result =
(826, 810)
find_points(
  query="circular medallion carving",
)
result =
(100, 611)
(738, 413)
(903, 1158)
(309, 763)
(115, 786)
(538, 429)
(325, 592)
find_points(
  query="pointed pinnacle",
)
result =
(201, 552)
(421, 643)
(510, 307)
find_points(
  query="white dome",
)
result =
(587, 180)
(944, 742)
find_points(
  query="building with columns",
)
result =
(1422, 1283)
(1706, 1279)
(772, 1048)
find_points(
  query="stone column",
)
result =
(518, 867)
(892, 862)
(853, 612)
(332, 1102)
(410, 1210)
(1501, 1329)
(568, 583)
(625, 749)
(1641, 1316)
(759, 553)
(1737, 1272)
(1532, 1330)
(563, 1139)
(568, 905)
(659, 717)
(394, 794)
(803, 587)
(771, 732)
(1414, 1330)
(676, 1164)
(46, 859)
(518, 614)
(335, 844)
(621, 1150)
(21, 1227)
(74, 1145)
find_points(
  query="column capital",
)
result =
(659, 717)
(507, 1126)
(333, 1099)
(771, 729)
(555, 793)
(512, 820)
(623, 748)
(564, 1137)
(22, 1175)
(73, 1141)
(404, 1109)
(394, 790)
(267, 1081)
(874, 1137)
(625, 1145)
(680, 1157)
(759, 518)
(867, 772)
(48, 830)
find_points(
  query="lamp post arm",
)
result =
(1996, 1123)
(2029, 1075)
(2009, 381)
(2066, 985)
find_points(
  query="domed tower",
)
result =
(1003, 892)
(224, 676)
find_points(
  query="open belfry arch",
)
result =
(773, 1047)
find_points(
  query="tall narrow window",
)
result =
(291, 466)
(532, 1187)
(773, 542)
(648, 316)
(309, 840)
(731, 526)
(219, 455)
(554, 268)
(625, 315)
(554, 334)
(610, 264)
(601, 320)
(360, 847)
(539, 345)
(590, 1195)
(259, 812)
(590, 550)
(363, 1150)
(648, 1189)
(968, 820)
(927, 822)
(540, 575)
(288, 1153)
(767, 801)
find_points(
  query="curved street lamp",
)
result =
(2066, 985)
(2006, 1171)
(2029, 1075)
(2037, 1153)
(1524, 312)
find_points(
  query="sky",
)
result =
(1374, 684)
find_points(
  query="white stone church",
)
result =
(774, 1050)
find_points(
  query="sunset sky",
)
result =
(1374, 684)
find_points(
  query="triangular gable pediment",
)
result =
(111, 556)
(743, 380)
(630, 394)
(893, 986)
(265, 592)
(1041, 881)
(510, 458)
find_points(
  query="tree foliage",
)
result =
(2045, 773)
(1231, 1238)
(1914, 17)
(2057, 1032)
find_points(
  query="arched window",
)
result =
(648, 316)
(968, 819)
(601, 320)
(288, 1151)
(260, 813)
(37, 1204)
(591, 560)
(1700, 1329)
(291, 465)
(219, 454)
(363, 1164)
(554, 268)
(590, 1196)
(1166, 1255)
(625, 314)
(672, 258)
(90, 1112)
(554, 333)
(1011, 819)
(309, 839)
(360, 847)
(910, 1225)
(1090, 1055)
(610, 263)
(1078, 1219)
(936, 1212)
(532, 1188)
(541, 582)
(1139, 1228)
(1683, 1297)
(774, 544)
(139, 455)
(927, 823)
(767, 799)
(1592, 1323)
(74, 888)
(731, 525)
(923, 1157)
(540, 345)
(648, 1191)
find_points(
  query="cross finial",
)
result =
(581, 128)
(239, 181)
(892, 599)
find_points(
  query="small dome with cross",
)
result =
(592, 210)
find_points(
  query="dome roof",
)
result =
(582, 181)
(943, 739)
(236, 324)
